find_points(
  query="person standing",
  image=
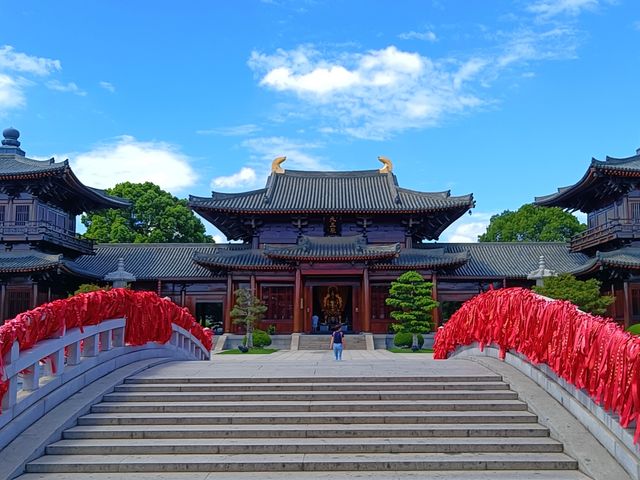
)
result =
(337, 342)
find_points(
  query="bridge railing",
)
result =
(593, 354)
(38, 346)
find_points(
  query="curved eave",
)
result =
(35, 174)
(34, 269)
(308, 211)
(226, 263)
(96, 196)
(330, 258)
(563, 196)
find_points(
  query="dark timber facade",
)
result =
(310, 244)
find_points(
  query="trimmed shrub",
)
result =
(405, 340)
(635, 329)
(260, 339)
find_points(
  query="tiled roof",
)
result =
(150, 261)
(317, 192)
(15, 169)
(30, 262)
(419, 258)
(625, 258)
(13, 165)
(512, 260)
(603, 183)
(247, 259)
(332, 249)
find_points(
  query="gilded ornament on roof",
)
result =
(275, 165)
(388, 166)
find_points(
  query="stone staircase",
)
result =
(160, 426)
(321, 342)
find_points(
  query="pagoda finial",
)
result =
(388, 166)
(11, 136)
(275, 165)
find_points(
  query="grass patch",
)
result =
(408, 350)
(253, 351)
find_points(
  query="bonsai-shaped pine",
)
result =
(247, 311)
(584, 294)
(410, 297)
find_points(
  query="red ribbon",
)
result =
(590, 352)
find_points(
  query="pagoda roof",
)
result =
(602, 184)
(150, 261)
(34, 261)
(52, 181)
(317, 249)
(365, 191)
(512, 259)
(419, 258)
(625, 258)
(352, 192)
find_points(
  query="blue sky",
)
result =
(507, 100)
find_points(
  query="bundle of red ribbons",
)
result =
(593, 353)
(149, 319)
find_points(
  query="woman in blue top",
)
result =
(337, 342)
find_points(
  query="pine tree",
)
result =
(410, 296)
(248, 311)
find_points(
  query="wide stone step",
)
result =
(291, 386)
(291, 406)
(344, 475)
(335, 379)
(371, 430)
(350, 395)
(483, 414)
(300, 462)
(303, 445)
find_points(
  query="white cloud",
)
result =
(263, 150)
(70, 87)
(127, 159)
(233, 131)
(11, 93)
(267, 148)
(107, 86)
(245, 177)
(21, 62)
(14, 68)
(467, 228)
(427, 36)
(551, 8)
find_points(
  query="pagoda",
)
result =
(39, 202)
(310, 237)
(609, 193)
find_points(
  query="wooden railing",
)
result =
(41, 230)
(612, 230)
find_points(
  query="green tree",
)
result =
(531, 223)
(410, 296)
(154, 216)
(247, 311)
(585, 294)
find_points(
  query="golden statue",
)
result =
(332, 306)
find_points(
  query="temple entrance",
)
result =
(332, 305)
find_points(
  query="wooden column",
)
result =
(252, 285)
(183, 295)
(434, 294)
(366, 301)
(34, 295)
(298, 304)
(159, 287)
(627, 316)
(229, 305)
(3, 302)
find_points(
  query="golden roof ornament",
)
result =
(275, 165)
(388, 166)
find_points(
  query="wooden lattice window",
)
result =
(2, 208)
(279, 302)
(18, 301)
(22, 214)
(635, 210)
